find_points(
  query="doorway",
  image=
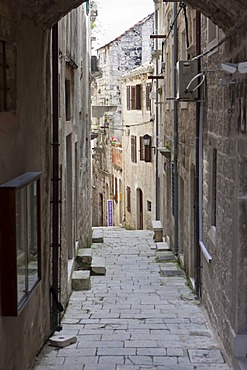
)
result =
(139, 208)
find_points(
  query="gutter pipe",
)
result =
(175, 128)
(156, 121)
(56, 306)
(198, 146)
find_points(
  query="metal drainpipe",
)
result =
(156, 120)
(56, 306)
(197, 169)
(175, 127)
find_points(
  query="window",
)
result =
(148, 100)
(19, 241)
(214, 187)
(128, 199)
(136, 97)
(128, 97)
(67, 100)
(149, 206)
(133, 149)
(212, 34)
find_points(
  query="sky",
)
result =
(117, 16)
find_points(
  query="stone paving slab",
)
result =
(134, 318)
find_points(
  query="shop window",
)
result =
(19, 241)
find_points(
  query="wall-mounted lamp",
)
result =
(234, 67)
(146, 140)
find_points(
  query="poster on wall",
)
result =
(110, 212)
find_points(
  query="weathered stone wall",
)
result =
(115, 59)
(139, 176)
(75, 141)
(25, 146)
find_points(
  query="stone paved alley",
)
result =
(138, 316)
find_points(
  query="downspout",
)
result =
(199, 106)
(156, 121)
(56, 307)
(175, 128)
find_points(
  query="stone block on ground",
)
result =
(84, 258)
(98, 266)
(98, 235)
(162, 246)
(62, 340)
(81, 280)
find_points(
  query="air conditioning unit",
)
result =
(186, 71)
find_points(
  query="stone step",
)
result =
(98, 235)
(98, 266)
(162, 246)
(84, 258)
(62, 341)
(81, 280)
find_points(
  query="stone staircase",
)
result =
(86, 264)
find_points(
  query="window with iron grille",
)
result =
(128, 98)
(214, 186)
(133, 149)
(128, 190)
(148, 100)
(149, 206)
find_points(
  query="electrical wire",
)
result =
(231, 34)
(174, 21)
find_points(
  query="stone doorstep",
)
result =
(81, 280)
(84, 258)
(98, 266)
(162, 246)
(62, 340)
(98, 235)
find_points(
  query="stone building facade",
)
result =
(207, 138)
(126, 52)
(31, 64)
(139, 157)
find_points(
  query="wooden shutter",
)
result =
(128, 97)
(139, 97)
(148, 152)
(133, 97)
(142, 149)
(133, 149)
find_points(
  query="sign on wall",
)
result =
(110, 212)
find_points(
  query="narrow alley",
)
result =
(140, 315)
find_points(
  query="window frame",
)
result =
(10, 237)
